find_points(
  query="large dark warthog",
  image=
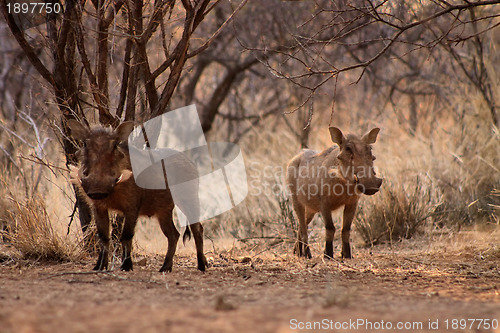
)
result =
(105, 179)
(325, 181)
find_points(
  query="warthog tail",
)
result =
(187, 234)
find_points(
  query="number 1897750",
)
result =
(34, 8)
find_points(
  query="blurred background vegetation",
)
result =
(270, 76)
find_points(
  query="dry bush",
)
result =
(265, 212)
(34, 236)
(496, 206)
(445, 178)
(5, 218)
(448, 177)
(467, 171)
(398, 212)
(90, 241)
(287, 217)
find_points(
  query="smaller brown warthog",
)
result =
(105, 180)
(325, 181)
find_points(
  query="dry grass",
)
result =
(398, 212)
(33, 234)
(448, 178)
(5, 218)
(416, 197)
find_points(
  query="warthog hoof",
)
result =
(127, 265)
(346, 254)
(167, 266)
(100, 267)
(202, 263)
(302, 250)
(102, 263)
(329, 250)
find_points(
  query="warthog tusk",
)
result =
(119, 178)
(356, 180)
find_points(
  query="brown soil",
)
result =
(269, 292)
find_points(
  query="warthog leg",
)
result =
(170, 231)
(102, 223)
(349, 212)
(302, 246)
(126, 240)
(326, 212)
(197, 230)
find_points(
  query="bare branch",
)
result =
(27, 48)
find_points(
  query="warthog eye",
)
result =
(348, 150)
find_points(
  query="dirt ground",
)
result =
(420, 286)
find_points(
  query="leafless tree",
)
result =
(230, 85)
(366, 37)
(102, 59)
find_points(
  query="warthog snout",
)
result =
(98, 195)
(370, 187)
(99, 189)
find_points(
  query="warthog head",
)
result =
(103, 157)
(356, 159)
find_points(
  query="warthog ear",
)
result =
(78, 131)
(371, 136)
(124, 130)
(337, 136)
